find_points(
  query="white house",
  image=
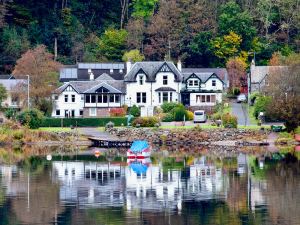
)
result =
(92, 98)
(150, 84)
(201, 89)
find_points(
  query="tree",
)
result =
(38, 63)
(136, 29)
(112, 44)
(236, 69)
(3, 94)
(133, 55)
(143, 8)
(227, 46)
(233, 19)
(284, 88)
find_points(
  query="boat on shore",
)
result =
(139, 150)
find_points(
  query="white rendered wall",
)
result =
(193, 101)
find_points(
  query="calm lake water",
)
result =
(166, 189)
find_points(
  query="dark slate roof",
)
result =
(80, 71)
(165, 89)
(116, 86)
(221, 72)
(150, 69)
(202, 76)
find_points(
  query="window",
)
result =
(66, 98)
(81, 112)
(73, 98)
(104, 98)
(159, 97)
(117, 98)
(207, 98)
(82, 97)
(165, 80)
(56, 97)
(141, 97)
(213, 83)
(66, 113)
(171, 96)
(165, 96)
(93, 112)
(73, 113)
(93, 99)
(202, 98)
(196, 83)
(111, 98)
(99, 99)
(190, 82)
(58, 112)
(213, 98)
(141, 80)
(87, 98)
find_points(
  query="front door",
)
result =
(185, 99)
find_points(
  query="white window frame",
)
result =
(165, 79)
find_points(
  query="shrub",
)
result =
(32, 118)
(10, 113)
(82, 122)
(229, 121)
(190, 115)
(168, 117)
(117, 112)
(135, 111)
(216, 116)
(150, 121)
(261, 105)
(168, 106)
(179, 113)
(18, 134)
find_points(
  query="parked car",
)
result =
(241, 98)
(199, 116)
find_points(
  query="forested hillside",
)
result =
(200, 32)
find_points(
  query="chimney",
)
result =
(179, 65)
(90, 72)
(128, 65)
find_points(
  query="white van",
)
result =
(199, 116)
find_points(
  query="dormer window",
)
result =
(165, 80)
(141, 79)
(190, 82)
(213, 83)
(196, 83)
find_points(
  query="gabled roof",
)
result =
(258, 73)
(105, 76)
(221, 72)
(106, 86)
(204, 77)
(151, 69)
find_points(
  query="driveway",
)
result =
(241, 112)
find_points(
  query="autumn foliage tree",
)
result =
(236, 69)
(39, 64)
(284, 88)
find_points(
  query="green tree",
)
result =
(133, 55)
(112, 44)
(3, 94)
(143, 8)
(232, 18)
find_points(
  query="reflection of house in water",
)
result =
(103, 184)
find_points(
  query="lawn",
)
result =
(55, 129)
(253, 120)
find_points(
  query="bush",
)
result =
(261, 105)
(32, 118)
(150, 121)
(117, 112)
(168, 117)
(236, 91)
(216, 116)
(169, 106)
(135, 111)
(82, 122)
(190, 115)
(10, 113)
(229, 121)
(179, 113)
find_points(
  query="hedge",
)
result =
(83, 122)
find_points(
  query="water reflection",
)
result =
(203, 189)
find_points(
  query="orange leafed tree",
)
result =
(236, 68)
(39, 64)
